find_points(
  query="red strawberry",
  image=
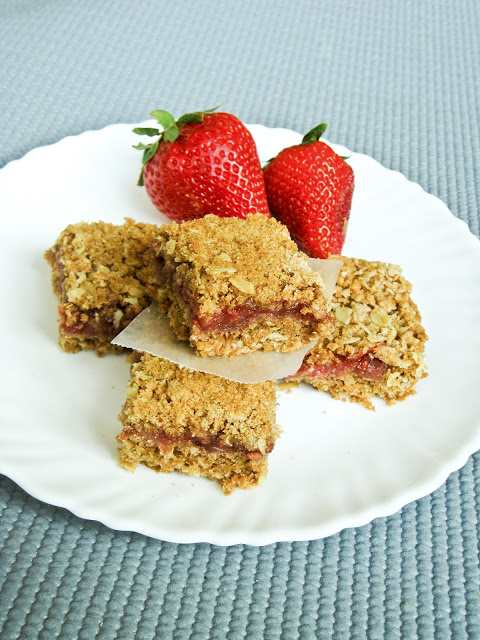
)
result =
(309, 189)
(203, 163)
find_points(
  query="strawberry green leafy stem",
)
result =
(171, 131)
(312, 136)
(315, 134)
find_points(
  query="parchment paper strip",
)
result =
(150, 331)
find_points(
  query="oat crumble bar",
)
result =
(176, 419)
(378, 345)
(237, 285)
(103, 279)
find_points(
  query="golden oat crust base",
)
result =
(230, 470)
(176, 419)
(373, 313)
(215, 264)
(100, 345)
(102, 276)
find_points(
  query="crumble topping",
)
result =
(372, 308)
(163, 397)
(225, 262)
(103, 264)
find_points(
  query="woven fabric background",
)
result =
(398, 80)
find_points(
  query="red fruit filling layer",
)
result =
(366, 366)
(233, 317)
(209, 443)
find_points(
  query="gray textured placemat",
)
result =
(396, 80)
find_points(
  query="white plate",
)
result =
(337, 464)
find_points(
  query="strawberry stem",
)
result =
(171, 131)
(315, 134)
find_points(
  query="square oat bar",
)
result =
(378, 345)
(237, 286)
(102, 277)
(176, 419)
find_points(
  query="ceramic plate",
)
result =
(337, 464)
